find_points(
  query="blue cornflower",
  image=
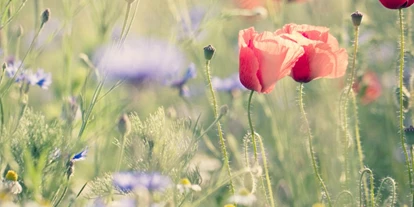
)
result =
(189, 74)
(140, 61)
(129, 181)
(40, 78)
(80, 156)
(11, 67)
(229, 84)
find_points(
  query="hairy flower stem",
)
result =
(401, 117)
(269, 184)
(220, 132)
(344, 106)
(371, 180)
(358, 141)
(311, 151)
(249, 106)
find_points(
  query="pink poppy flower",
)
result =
(368, 87)
(322, 58)
(265, 58)
(396, 4)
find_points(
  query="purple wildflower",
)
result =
(141, 60)
(129, 181)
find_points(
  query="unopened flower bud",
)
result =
(124, 125)
(45, 15)
(209, 52)
(356, 18)
(224, 110)
(406, 98)
(19, 31)
(409, 135)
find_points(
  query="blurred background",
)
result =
(160, 63)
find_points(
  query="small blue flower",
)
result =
(227, 84)
(189, 74)
(40, 78)
(11, 68)
(128, 181)
(81, 155)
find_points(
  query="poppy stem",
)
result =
(220, 131)
(251, 126)
(371, 180)
(263, 152)
(401, 118)
(311, 151)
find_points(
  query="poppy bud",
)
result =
(209, 52)
(124, 125)
(45, 16)
(409, 135)
(19, 31)
(356, 18)
(406, 98)
(224, 110)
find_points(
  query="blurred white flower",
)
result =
(185, 186)
(243, 197)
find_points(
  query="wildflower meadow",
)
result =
(187, 103)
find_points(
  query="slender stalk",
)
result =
(311, 151)
(401, 118)
(251, 125)
(358, 141)
(220, 132)
(344, 104)
(371, 180)
(269, 184)
(121, 154)
(125, 20)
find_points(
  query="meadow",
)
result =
(182, 103)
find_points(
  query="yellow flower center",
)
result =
(244, 192)
(318, 205)
(229, 205)
(11, 175)
(185, 181)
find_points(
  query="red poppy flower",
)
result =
(396, 4)
(265, 58)
(322, 58)
(368, 87)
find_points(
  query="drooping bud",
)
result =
(409, 135)
(124, 125)
(356, 18)
(224, 110)
(209, 52)
(19, 31)
(45, 15)
(406, 98)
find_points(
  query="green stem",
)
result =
(371, 180)
(63, 194)
(125, 20)
(401, 118)
(121, 154)
(358, 141)
(393, 189)
(311, 151)
(222, 141)
(249, 106)
(269, 184)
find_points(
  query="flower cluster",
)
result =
(304, 52)
(14, 69)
